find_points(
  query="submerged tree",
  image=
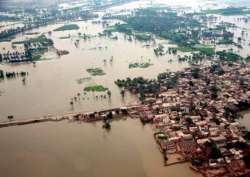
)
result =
(1, 74)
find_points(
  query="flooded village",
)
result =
(93, 88)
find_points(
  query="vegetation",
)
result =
(203, 49)
(195, 73)
(96, 88)
(67, 27)
(217, 69)
(197, 161)
(214, 91)
(39, 41)
(1, 74)
(247, 59)
(246, 159)
(228, 56)
(96, 71)
(247, 135)
(142, 86)
(213, 150)
(139, 65)
(35, 47)
(159, 51)
(143, 36)
(11, 75)
(229, 11)
(36, 57)
(65, 37)
(189, 121)
(139, 84)
(168, 25)
(82, 80)
(41, 17)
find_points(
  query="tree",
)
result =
(195, 72)
(247, 160)
(10, 118)
(122, 93)
(214, 91)
(1, 74)
(189, 121)
(191, 83)
(142, 94)
(110, 115)
(247, 136)
(215, 152)
(196, 161)
(109, 93)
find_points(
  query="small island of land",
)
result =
(96, 88)
(67, 27)
(139, 65)
(96, 71)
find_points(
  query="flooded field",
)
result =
(53, 82)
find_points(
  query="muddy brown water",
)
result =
(84, 150)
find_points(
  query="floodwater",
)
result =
(245, 120)
(52, 83)
(81, 150)
(84, 150)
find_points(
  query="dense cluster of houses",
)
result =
(198, 118)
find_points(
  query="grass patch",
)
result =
(67, 27)
(96, 71)
(96, 88)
